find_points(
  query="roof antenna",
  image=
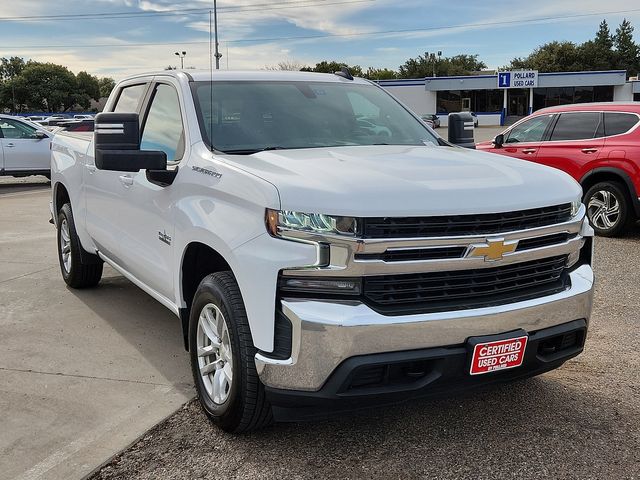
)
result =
(210, 83)
(345, 73)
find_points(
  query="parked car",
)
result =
(314, 268)
(475, 118)
(598, 144)
(77, 125)
(83, 117)
(24, 148)
(35, 118)
(432, 120)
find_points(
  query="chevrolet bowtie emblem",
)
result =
(493, 250)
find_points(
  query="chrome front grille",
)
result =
(459, 225)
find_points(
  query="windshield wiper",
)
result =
(250, 151)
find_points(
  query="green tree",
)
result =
(106, 84)
(425, 66)
(380, 74)
(627, 52)
(88, 88)
(552, 57)
(332, 67)
(47, 87)
(11, 67)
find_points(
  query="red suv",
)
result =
(598, 144)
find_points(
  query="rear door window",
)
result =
(129, 99)
(617, 123)
(577, 126)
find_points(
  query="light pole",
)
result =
(181, 55)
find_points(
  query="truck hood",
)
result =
(366, 181)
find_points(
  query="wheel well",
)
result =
(613, 176)
(62, 197)
(199, 261)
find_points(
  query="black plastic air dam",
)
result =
(429, 373)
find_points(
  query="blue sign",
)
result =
(504, 79)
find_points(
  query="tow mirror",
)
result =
(117, 145)
(461, 129)
(498, 141)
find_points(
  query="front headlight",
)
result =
(317, 223)
(575, 207)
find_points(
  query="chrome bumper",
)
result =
(327, 333)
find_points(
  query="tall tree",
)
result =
(380, 74)
(107, 84)
(425, 66)
(552, 57)
(627, 52)
(332, 67)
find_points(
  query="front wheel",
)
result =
(79, 269)
(222, 357)
(608, 208)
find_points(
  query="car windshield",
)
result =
(245, 117)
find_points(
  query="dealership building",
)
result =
(505, 97)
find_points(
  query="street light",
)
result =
(181, 55)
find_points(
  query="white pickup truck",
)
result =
(323, 248)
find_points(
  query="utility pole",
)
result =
(215, 29)
(181, 55)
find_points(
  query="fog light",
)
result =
(573, 258)
(340, 286)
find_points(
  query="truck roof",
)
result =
(251, 75)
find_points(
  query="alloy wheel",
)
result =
(215, 357)
(603, 209)
(65, 245)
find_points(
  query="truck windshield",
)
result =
(245, 117)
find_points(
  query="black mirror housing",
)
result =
(498, 141)
(117, 145)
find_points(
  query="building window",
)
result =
(551, 96)
(484, 101)
(636, 97)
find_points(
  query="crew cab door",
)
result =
(525, 138)
(23, 150)
(577, 138)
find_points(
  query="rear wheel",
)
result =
(608, 208)
(79, 270)
(222, 357)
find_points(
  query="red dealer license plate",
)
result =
(498, 355)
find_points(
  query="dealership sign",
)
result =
(518, 79)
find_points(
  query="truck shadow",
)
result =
(145, 324)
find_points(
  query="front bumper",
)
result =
(390, 378)
(325, 334)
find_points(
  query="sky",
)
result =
(118, 38)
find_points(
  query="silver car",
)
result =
(24, 148)
(431, 119)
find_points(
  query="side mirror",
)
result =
(498, 141)
(117, 145)
(40, 135)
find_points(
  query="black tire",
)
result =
(625, 217)
(246, 407)
(85, 269)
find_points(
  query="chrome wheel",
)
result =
(65, 245)
(603, 209)
(215, 357)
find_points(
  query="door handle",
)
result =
(589, 150)
(126, 180)
(91, 168)
(529, 150)
(10, 145)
